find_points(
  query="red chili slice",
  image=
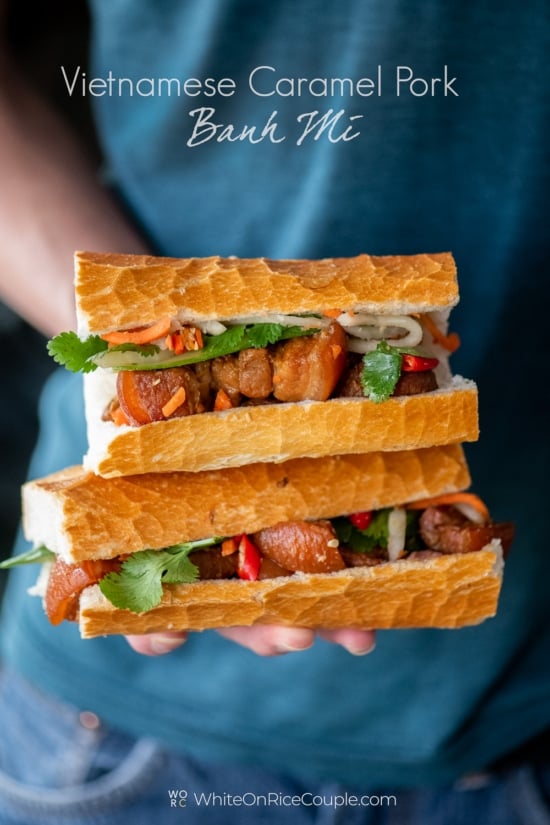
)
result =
(361, 520)
(248, 566)
(417, 363)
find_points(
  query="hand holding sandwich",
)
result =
(265, 640)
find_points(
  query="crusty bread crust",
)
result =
(124, 291)
(279, 432)
(447, 592)
(80, 516)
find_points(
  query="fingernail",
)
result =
(361, 650)
(165, 644)
(294, 642)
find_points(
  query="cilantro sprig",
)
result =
(138, 584)
(76, 355)
(382, 369)
(38, 555)
(364, 541)
(71, 352)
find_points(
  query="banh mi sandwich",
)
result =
(375, 541)
(195, 364)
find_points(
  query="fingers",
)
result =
(273, 640)
(356, 642)
(270, 640)
(264, 640)
(156, 644)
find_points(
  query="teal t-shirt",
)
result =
(455, 165)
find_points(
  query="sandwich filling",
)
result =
(448, 524)
(172, 369)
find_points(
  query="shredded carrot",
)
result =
(176, 401)
(119, 417)
(449, 342)
(331, 313)
(229, 546)
(139, 336)
(174, 343)
(199, 338)
(223, 401)
(336, 349)
(452, 498)
(184, 340)
(191, 338)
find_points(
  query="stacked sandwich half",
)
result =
(269, 441)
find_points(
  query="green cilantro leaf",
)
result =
(179, 568)
(38, 555)
(364, 541)
(232, 340)
(138, 584)
(376, 534)
(261, 335)
(344, 529)
(381, 371)
(71, 352)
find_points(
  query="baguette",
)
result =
(124, 291)
(446, 592)
(79, 515)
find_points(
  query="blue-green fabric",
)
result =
(466, 173)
